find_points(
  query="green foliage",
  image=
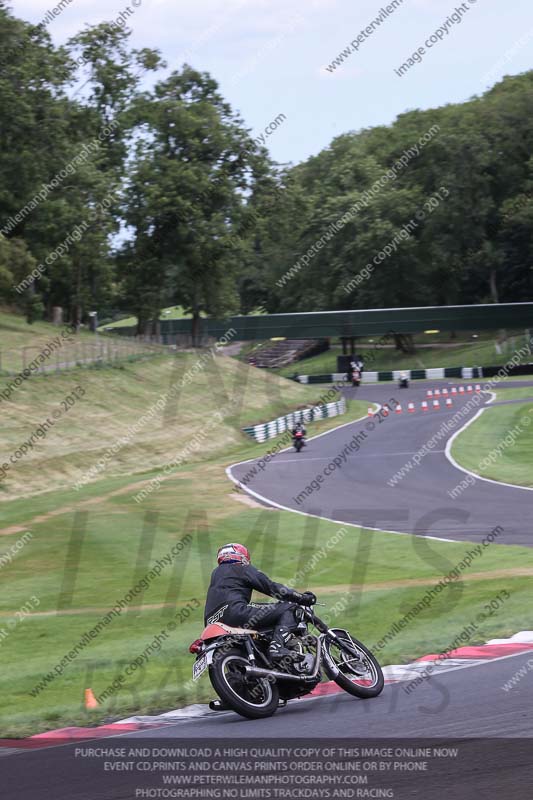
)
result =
(16, 264)
(207, 221)
(63, 161)
(190, 170)
(475, 246)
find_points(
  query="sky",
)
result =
(270, 57)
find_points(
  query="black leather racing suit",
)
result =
(299, 429)
(229, 594)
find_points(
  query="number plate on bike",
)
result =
(199, 667)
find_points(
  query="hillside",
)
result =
(124, 407)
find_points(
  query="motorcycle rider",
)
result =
(299, 428)
(356, 368)
(230, 591)
(404, 381)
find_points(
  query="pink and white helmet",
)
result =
(233, 552)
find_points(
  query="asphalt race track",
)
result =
(461, 706)
(358, 491)
(459, 703)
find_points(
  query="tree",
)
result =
(17, 266)
(193, 162)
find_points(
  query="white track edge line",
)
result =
(245, 488)
(327, 519)
(454, 463)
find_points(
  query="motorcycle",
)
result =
(404, 382)
(298, 440)
(248, 682)
(356, 378)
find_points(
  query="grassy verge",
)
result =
(525, 393)
(499, 444)
(116, 398)
(49, 348)
(89, 555)
(88, 549)
(16, 333)
(483, 353)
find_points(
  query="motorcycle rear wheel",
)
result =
(255, 698)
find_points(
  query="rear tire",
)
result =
(227, 677)
(355, 663)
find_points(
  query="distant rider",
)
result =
(404, 381)
(356, 369)
(299, 428)
(230, 592)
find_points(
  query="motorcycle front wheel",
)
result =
(356, 670)
(253, 698)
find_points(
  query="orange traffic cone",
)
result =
(437, 392)
(449, 402)
(90, 700)
(454, 390)
(436, 405)
(370, 412)
(411, 408)
(398, 409)
(461, 389)
(478, 387)
(469, 389)
(429, 393)
(445, 392)
(424, 405)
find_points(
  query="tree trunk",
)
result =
(195, 328)
(493, 287)
(404, 343)
(75, 316)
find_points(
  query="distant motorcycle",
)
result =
(356, 377)
(404, 382)
(298, 441)
(246, 681)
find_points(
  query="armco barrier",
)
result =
(267, 430)
(468, 373)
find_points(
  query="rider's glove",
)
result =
(307, 599)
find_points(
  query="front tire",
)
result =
(357, 671)
(254, 699)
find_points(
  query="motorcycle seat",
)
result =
(220, 629)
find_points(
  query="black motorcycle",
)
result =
(298, 440)
(248, 682)
(404, 382)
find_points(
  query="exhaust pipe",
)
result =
(257, 672)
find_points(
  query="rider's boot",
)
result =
(278, 650)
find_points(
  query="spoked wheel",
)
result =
(253, 698)
(358, 670)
